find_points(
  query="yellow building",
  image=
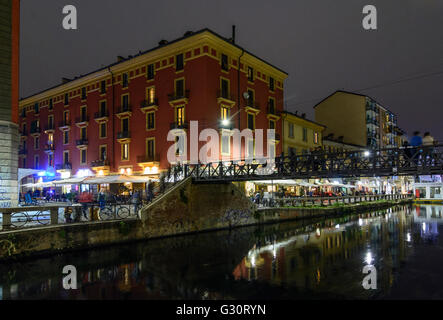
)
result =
(300, 134)
(358, 119)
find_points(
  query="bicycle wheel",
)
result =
(106, 213)
(123, 212)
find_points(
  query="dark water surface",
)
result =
(321, 259)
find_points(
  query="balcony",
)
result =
(252, 105)
(272, 111)
(225, 97)
(100, 163)
(63, 166)
(101, 116)
(178, 97)
(23, 134)
(49, 148)
(81, 121)
(124, 111)
(124, 136)
(228, 126)
(148, 105)
(35, 131)
(64, 125)
(49, 128)
(82, 143)
(179, 125)
(148, 159)
(372, 121)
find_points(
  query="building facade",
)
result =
(9, 86)
(358, 119)
(117, 119)
(300, 135)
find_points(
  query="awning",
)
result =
(38, 185)
(277, 182)
(118, 179)
(70, 181)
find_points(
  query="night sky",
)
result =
(321, 44)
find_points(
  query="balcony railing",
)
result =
(179, 125)
(49, 127)
(64, 123)
(82, 119)
(82, 142)
(148, 158)
(149, 103)
(63, 166)
(178, 95)
(252, 104)
(123, 109)
(124, 135)
(49, 147)
(99, 163)
(100, 115)
(35, 130)
(225, 95)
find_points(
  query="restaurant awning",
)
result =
(118, 179)
(38, 185)
(276, 182)
(70, 181)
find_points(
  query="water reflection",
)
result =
(316, 259)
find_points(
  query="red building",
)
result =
(117, 119)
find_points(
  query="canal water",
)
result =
(317, 259)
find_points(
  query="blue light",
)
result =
(41, 174)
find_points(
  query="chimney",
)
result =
(233, 33)
(120, 58)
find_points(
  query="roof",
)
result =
(353, 93)
(301, 118)
(156, 48)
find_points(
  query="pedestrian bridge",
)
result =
(407, 161)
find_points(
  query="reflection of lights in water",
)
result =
(368, 258)
(253, 261)
(274, 253)
(318, 232)
(424, 226)
(408, 237)
(337, 226)
(360, 222)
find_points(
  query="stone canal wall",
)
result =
(187, 208)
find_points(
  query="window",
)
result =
(179, 62)
(250, 98)
(150, 120)
(51, 104)
(125, 125)
(224, 84)
(271, 124)
(83, 112)
(103, 130)
(66, 117)
(316, 137)
(36, 108)
(250, 74)
(50, 122)
(224, 113)
(151, 73)
(150, 95)
(251, 121)
(180, 144)
(24, 163)
(180, 88)
(180, 115)
(50, 139)
(226, 144)
(102, 152)
(36, 162)
(305, 135)
(150, 148)
(125, 80)
(36, 143)
(83, 93)
(271, 106)
(224, 62)
(66, 99)
(291, 130)
(103, 108)
(125, 102)
(65, 157)
(271, 84)
(125, 151)
(65, 137)
(83, 133)
(103, 87)
(83, 156)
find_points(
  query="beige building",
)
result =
(359, 120)
(300, 135)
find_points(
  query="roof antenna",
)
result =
(233, 33)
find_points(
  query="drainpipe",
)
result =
(238, 87)
(113, 120)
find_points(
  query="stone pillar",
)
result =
(9, 142)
